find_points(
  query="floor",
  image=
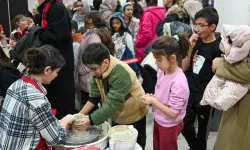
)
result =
(182, 144)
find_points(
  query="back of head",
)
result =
(106, 38)
(95, 54)
(210, 14)
(151, 2)
(180, 12)
(37, 59)
(74, 25)
(167, 45)
(96, 17)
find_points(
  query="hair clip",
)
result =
(176, 37)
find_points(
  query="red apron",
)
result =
(42, 144)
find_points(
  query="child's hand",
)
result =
(193, 39)
(148, 99)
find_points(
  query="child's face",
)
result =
(203, 29)
(12, 43)
(128, 11)
(23, 24)
(116, 23)
(162, 62)
(50, 75)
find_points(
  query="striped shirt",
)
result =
(25, 116)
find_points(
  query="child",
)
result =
(20, 26)
(32, 114)
(204, 49)
(12, 45)
(77, 38)
(124, 46)
(222, 93)
(30, 22)
(115, 85)
(171, 91)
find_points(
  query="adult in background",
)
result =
(57, 32)
(107, 8)
(146, 33)
(131, 22)
(82, 7)
(137, 8)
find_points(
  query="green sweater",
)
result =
(118, 84)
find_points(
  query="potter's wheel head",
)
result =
(89, 136)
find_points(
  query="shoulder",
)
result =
(180, 80)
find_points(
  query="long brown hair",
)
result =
(15, 20)
(5, 62)
(106, 38)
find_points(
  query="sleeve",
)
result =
(130, 43)
(238, 72)
(146, 33)
(238, 54)
(94, 95)
(58, 29)
(120, 85)
(136, 27)
(178, 96)
(47, 125)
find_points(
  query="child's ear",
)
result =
(213, 27)
(173, 58)
(74, 31)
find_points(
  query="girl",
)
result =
(20, 26)
(171, 92)
(26, 113)
(124, 46)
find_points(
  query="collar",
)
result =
(38, 86)
(113, 62)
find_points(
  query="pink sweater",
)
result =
(171, 90)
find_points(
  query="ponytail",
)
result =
(184, 44)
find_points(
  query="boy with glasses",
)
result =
(198, 66)
(115, 85)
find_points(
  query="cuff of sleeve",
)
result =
(91, 121)
(94, 100)
(176, 111)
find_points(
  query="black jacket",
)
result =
(61, 91)
(7, 77)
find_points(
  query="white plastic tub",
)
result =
(101, 143)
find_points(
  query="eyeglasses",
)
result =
(93, 67)
(199, 26)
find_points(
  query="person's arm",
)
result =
(177, 99)
(130, 43)
(186, 61)
(146, 33)
(46, 124)
(120, 85)
(94, 97)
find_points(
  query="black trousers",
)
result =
(140, 126)
(203, 114)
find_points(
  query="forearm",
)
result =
(87, 108)
(163, 108)
(186, 60)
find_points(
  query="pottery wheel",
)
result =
(91, 135)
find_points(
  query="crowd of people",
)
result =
(114, 61)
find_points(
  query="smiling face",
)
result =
(22, 24)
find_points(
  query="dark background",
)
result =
(16, 7)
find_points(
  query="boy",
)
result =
(77, 38)
(116, 87)
(204, 48)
